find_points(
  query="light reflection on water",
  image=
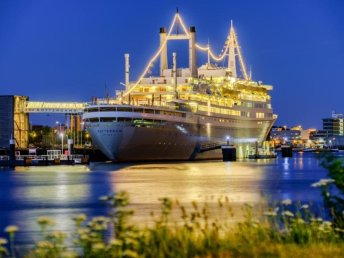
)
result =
(63, 191)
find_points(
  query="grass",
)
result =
(276, 232)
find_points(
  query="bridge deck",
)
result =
(54, 107)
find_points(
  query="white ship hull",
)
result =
(173, 140)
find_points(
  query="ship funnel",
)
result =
(192, 52)
(163, 54)
(127, 70)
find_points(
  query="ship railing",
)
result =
(48, 157)
(35, 157)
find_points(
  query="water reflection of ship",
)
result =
(174, 114)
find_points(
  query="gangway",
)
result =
(54, 107)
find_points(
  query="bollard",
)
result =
(57, 161)
(12, 153)
(287, 151)
(228, 153)
(27, 161)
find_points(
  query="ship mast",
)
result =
(235, 42)
(231, 51)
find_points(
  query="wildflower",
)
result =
(3, 241)
(115, 242)
(339, 230)
(98, 246)
(83, 231)
(45, 245)
(287, 213)
(104, 198)
(323, 182)
(84, 237)
(130, 254)
(57, 235)
(43, 220)
(327, 223)
(286, 202)
(101, 219)
(305, 206)
(11, 229)
(300, 221)
(270, 213)
(80, 218)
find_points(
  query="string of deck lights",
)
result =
(150, 63)
(202, 48)
(213, 56)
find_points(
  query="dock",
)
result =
(44, 160)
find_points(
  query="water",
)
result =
(63, 191)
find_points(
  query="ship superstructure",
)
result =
(182, 112)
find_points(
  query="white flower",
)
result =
(300, 221)
(286, 202)
(323, 182)
(305, 206)
(104, 198)
(327, 223)
(339, 230)
(11, 229)
(287, 213)
(270, 213)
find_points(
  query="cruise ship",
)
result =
(183, 113)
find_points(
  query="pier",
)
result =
(54, 157)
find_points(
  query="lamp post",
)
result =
(61, 134)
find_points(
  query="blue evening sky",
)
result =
(68, 50)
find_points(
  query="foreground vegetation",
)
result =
(288, 229)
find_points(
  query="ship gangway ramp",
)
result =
(54, 107)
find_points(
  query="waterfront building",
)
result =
(14, 121)
(297, 136)
(332, 132)
(281, 134)
(334, 126)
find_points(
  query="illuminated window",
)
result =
(259, 115)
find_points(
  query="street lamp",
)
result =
(227, 139)
(58, 123)
(61, 134)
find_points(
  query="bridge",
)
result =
(54, 107)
